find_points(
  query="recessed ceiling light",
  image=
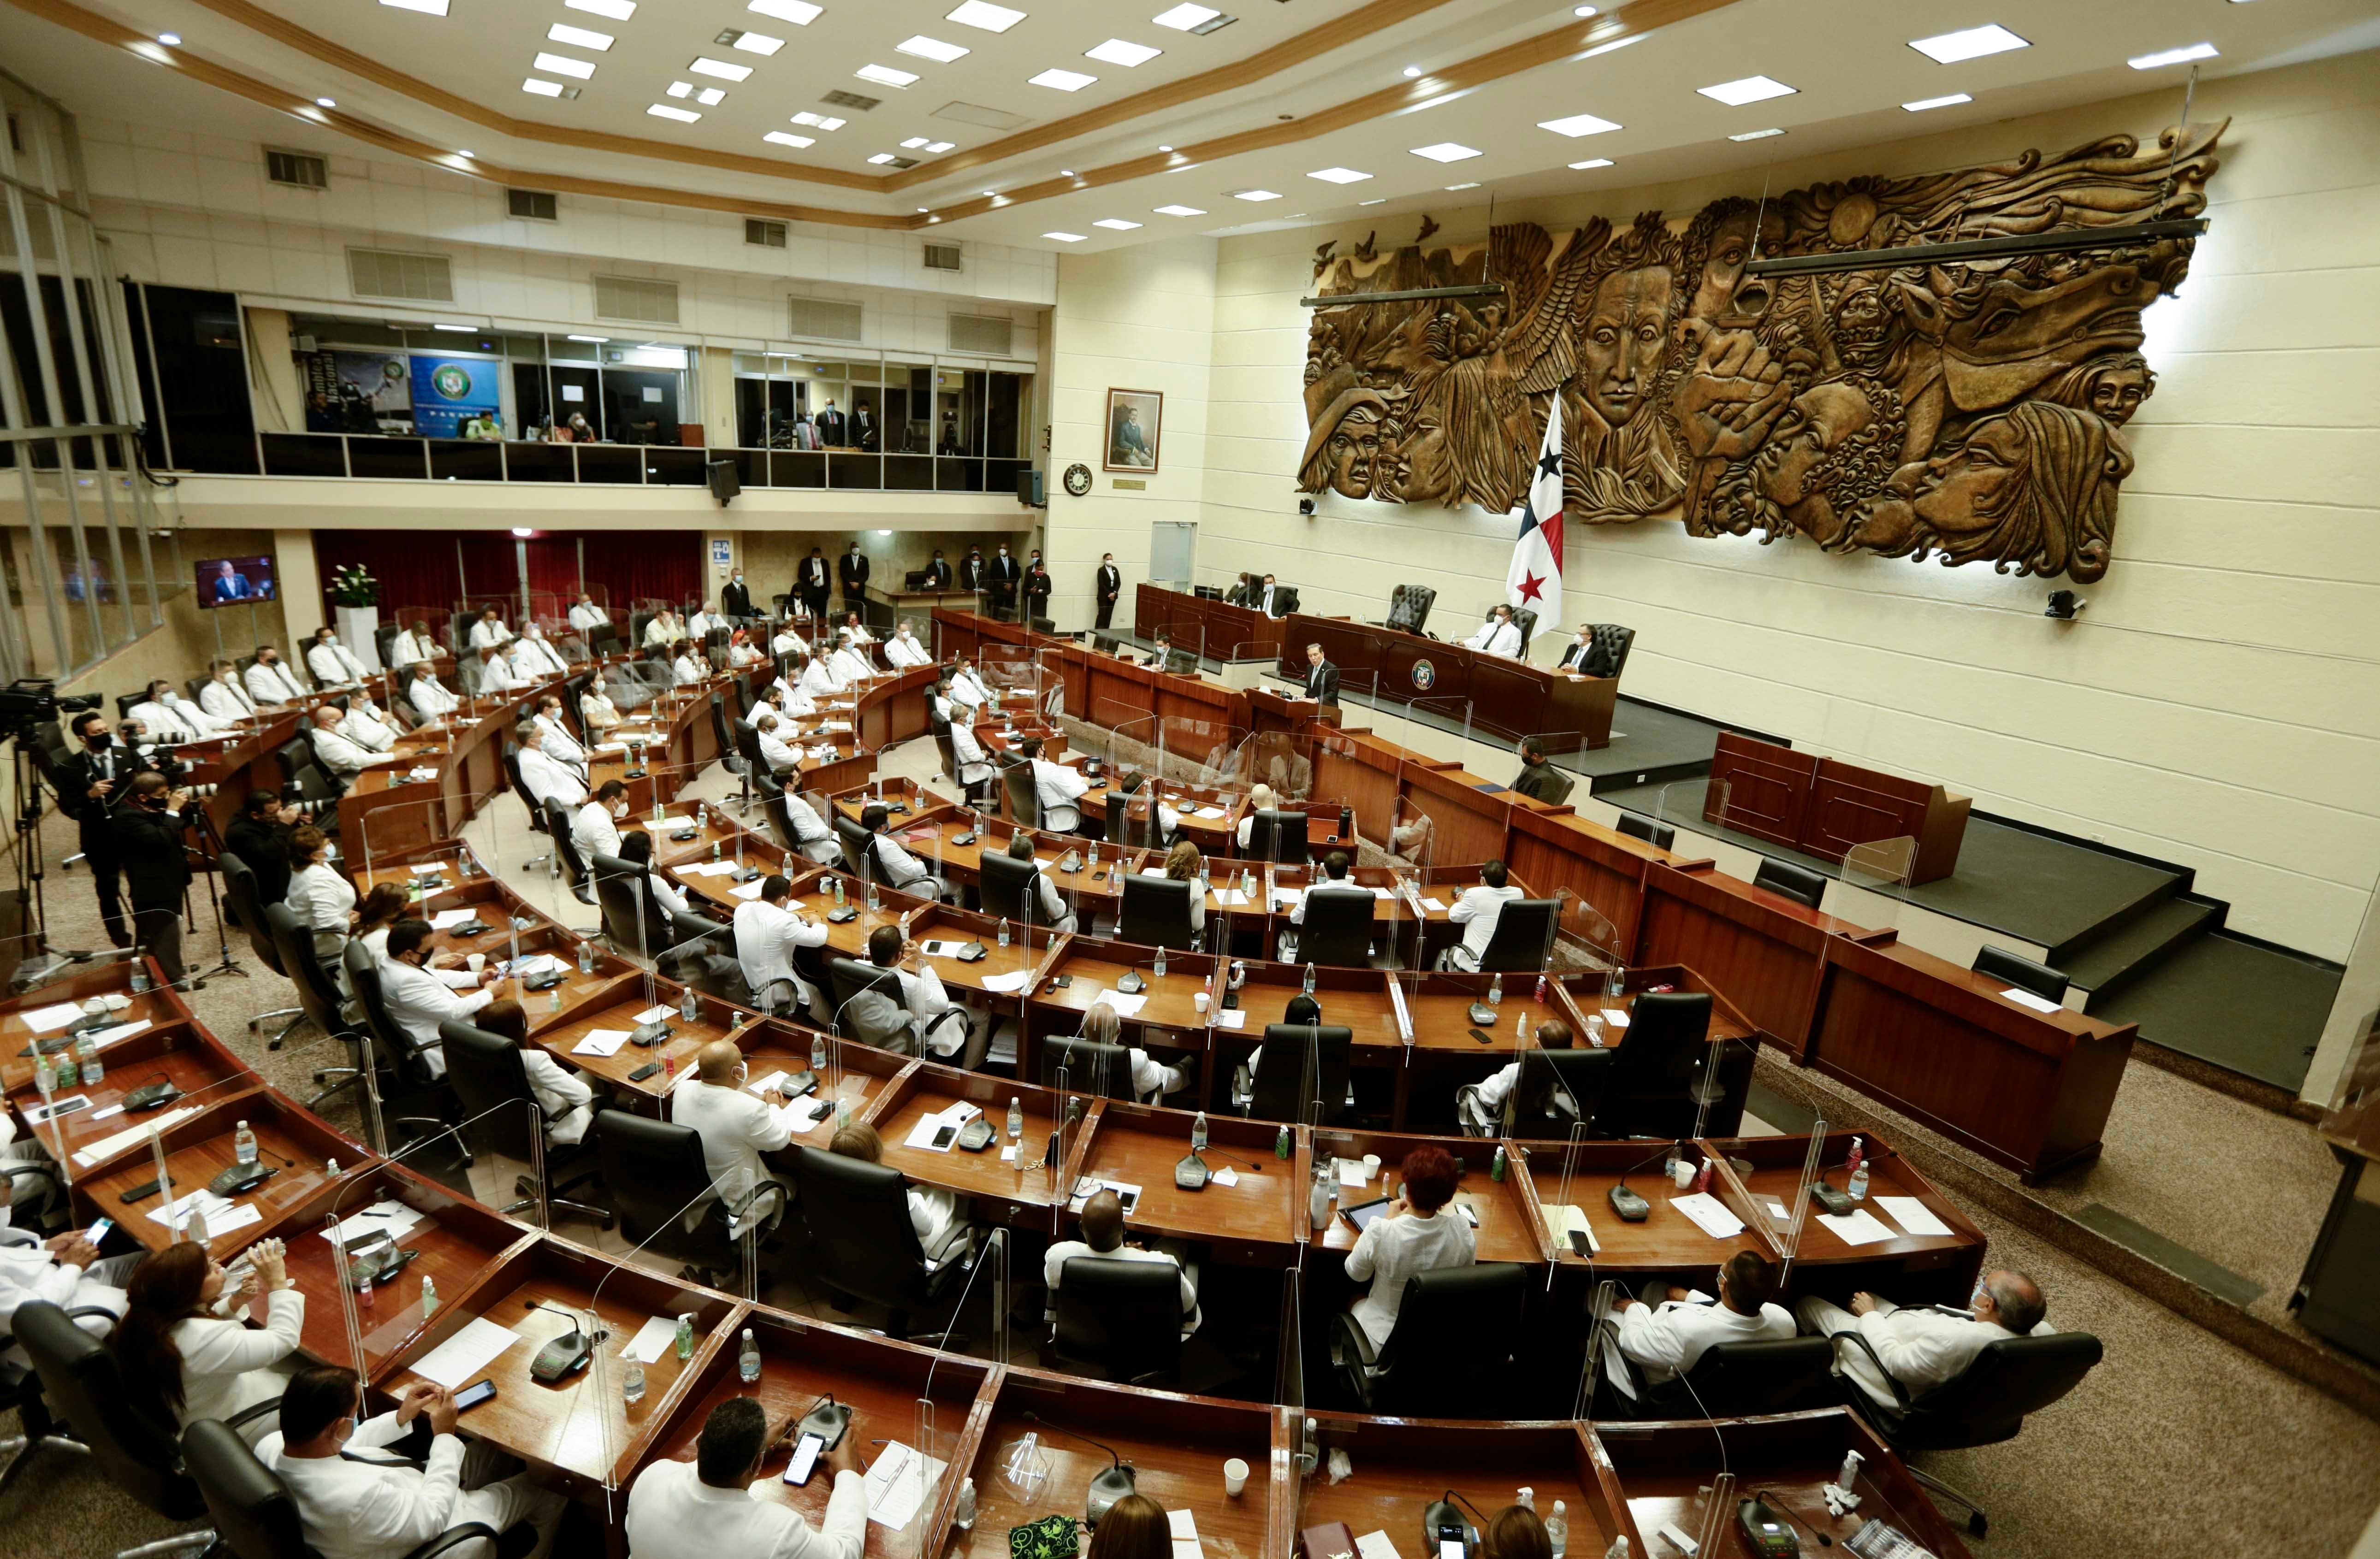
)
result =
(1180, 210)
(562, 65)
(992, 194)
(759, 43)
(801, 13)
(1446, 152)
(913, 143)
(1757, 135)
(938, 147)
(462, 329)
(1473, 185)
(883, 157)
(1973, 42)
(1116, 222)
(618, 10)
(325, 102)
(465, 152)
(723, 69)
(1577, 125)
(884, 74)
(1752, 89)
(681, 88)
(1922, 104)
(786, 138)
(1380, 202)
(598, 340)
(1412, 71)
(819, 121)
(985, 14)
(1063, 81)
(711, 97)
(542, 89)
(577, 37)
(1338, 176)
(931, 48)
(1591, 162)
(1182, 17)
(1165, 148)
(923, 209)
(1067, 237)
(1254, 195)
(2173, 56)
(427, 8)
(1116, 51)
(683, 115)
(169, 39)
(1581, 10)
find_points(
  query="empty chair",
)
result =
(654, 1171)
(1279, 835)
(862, 1243)
(1451, 1355)
(1526, 620)
(859, 848)
(1788, 880)
(528, 799)
(704, 957)
(1524, 931)
(1086, 1066)
(2016, 969)
(1156, 913)
(1122, 1318)
(1337, 930)
(317, 995)
(566, 850)
(248, 909)
(250, 1506)
(1133, 820)
(299, 767)
(1661, 836)
(1409, 607)
(1302, 1075)
(487, 1073)
(1649, 1088)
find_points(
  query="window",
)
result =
(763, 233)
(301, 170)
(636, 297)
(429, 278)
(530, 205)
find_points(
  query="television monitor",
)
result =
(235, 581)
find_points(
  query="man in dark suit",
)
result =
(937, 573)
(148, 828)
(853, 569)
(1321, 677)
(90, 783)
(230, 584)
(975, 574)
(260, 836)
(1539, 780)
(1111, 586)
(1001, 575)
(814, 583)
(1274, 600)
(735, 601)
(1584, 656)
(1037, 586)
(830, 428)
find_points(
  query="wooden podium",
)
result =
(1826, 808)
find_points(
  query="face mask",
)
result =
(739, 579)
(598, 686)
(1976, 1299)
(619, 809)
(170, 698)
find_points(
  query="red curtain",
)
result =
(417, 573)
(644, 565)
(491, 570)
(553, 569)
(416, 569)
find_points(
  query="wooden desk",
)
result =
(1207, 625)
(1507, 698)
(1920, 1268)
(1824, 807)
(180, 1053)
(1507, 1229)
(1255, 1221)
(157, 1006)
(613, 1002)
(290, 1139)
(1667, 1241)
(1004, 1187)
(1402, 1466)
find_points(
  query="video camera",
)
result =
(29, 701)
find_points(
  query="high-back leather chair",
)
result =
(1007, 887)
(633, 919)
(858, 849)
(566, 850)
(781, 821)
(1086, 1066)
(1787, 880)
(1557, 1090)
(83, 1389)
(2023, 973)
(1526, 620)
(1524, 929)
(1409, 607)
(1338, 928)
(1303, 1074)
(653, 1171)
(489, 1076)
(248, 909)
(1018, 789)
(703, 955)
(254, 1516)
(1608, 646)
(299, 768)
(1133, 820)
(1451, 1351)
(384, 642)
(415, 1088)
(1156, 913)
(1120, 1319)
(318, 995)
(861, 1240)
(1280, 835)
(535, 808)
(1661, 836)
(869, 1006)
(1649, 1088)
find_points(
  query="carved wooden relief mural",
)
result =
(1973, 411)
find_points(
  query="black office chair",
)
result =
(574, 688)
(530, 803)
(1156, 913)
(255, 1517)
(1409, 607)
(869, 1006)
(1650, 1088)
(566, 850)
(859, 848)
(1086, 1066)
(487, 1073)
(384, 642)
(1560, 782)
(863, 1244)
(38, 1427)
(1134, 821)
(317, 997)
(1661, 836)
(2023, 973)
(1337, 931)
(1007, 887)
(1731, 1381)
(781, 821)
(1120, 1320)
(1788, 880)
(633, 921)
(1526, 620)
(1023, 797)
(725, 724)
(1302, 1075)
(1279, 836)
(654, 1171)
(1607, 647)
(302, 775)
(946, 751)
(637, 622)
(1557, 1089)
(424, 1103)
(1523, 936)
(248, 909)
(1982, 1404)
(703, 955)
(1451, 1352)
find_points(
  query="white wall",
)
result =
(2219, 703)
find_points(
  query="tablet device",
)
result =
(1362, 1212)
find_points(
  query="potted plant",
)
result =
(355, 608)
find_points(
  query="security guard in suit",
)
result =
(92, 784)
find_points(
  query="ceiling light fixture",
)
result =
(664, 111)
(325, 102)
(1615, 43)
(1339, 176)
(426, 7)
(1473, 185)
(170, 39)
(1117, 51)
(618, 10)
(464, 153)
(725, 70)
(1922, 104)
(1115, 224)
(939, 147)
(1412, 71)
(1578, 125)
(1067, 237)
(562, 65)
(1581, 10)
(819, 121)
(983, 13)
(577, 37)
(597, 340)
(1752, 89)
(680, 89)
(786, 138)
(1381, 200)
(886, 76)
(542, 89)
(1180, 210)
(1165, 148)
(1184, 18)
(1447, 152)
(932, 49)
(1757, 135)
(883, 157)
(1590, 163)
(1254, 195)
(2173, 56)
(463, 330)
(1063, 81)
(801, 13)
(1973, 42)
(913, 143)
(759, 43)
(711, 97)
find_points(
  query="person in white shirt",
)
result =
(904, 652)
(1261, 799)
(352, 1505)
(1169, 822)
(939, 1027)
(698, 626)
(968, 688)
(740, 652)
(269, 680)
(717, 1507)
(320, 894)
(849, 663)
(938, 1216)
(226, 699)
(1045, 906)
(1666, 1333)
(428, 695)
(366, 725)
(548, 778)
(1103, 1240)
(596, 708)
(416, 643)
(559, 744)
(976, 770)
(1498, 635)
(490, 632)
(586, 616)
(857, 629)
(690, 668)
(1481, 1105)
(788, 641)
(534, 657)
(66, 1271)
(892, 865)
(767, 929)
(168, 715)
(818, 678)
(736, 1126)
(1059, 788)
(332, 663)
(1335, 866)
(783, 759)
(1920, 1347)
(183, 1350)
(565, 1101)
(496, 677)
(663, 630)
(336, 752)
(1151, 1078)
(791, 699)
(418, 994)
(594, 827)
(1417, 1232)
(1477, 911)
(815, 840)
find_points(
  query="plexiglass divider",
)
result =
(1881, 867)
(1700, 805)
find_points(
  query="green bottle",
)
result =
(1281, 1142)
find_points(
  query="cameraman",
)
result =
(148, 843)
(93, 781)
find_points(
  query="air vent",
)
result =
(530, 205)
(636, 297)
(895, 164)
(943, 257)
(429, 278)
(300, 170)
(851, 101)
(766, 233)
(1212, 24)
(977, 114)
(825, 317)
(981, 332)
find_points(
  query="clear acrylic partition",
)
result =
(1050, 692)
(405, 618)
(1275, 759)
(1584, 938)
(1442, 712)
(1411, 838)
(1697, 805)
(1880, 869)
(389, 833)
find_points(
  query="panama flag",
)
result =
(1535, 579)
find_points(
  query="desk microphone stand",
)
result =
(209, 859)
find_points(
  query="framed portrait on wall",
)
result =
(1134, 418)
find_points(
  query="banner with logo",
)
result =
(449, 393)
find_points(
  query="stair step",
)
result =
(2107, 963)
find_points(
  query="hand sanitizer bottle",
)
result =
(1856, 1188)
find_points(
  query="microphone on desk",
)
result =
(569, 1353)
(1119, 1481)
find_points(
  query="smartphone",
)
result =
(1483, 1036)
(806, 1455)
(1578, 1244)
(644, 1072)
(473, 1394)
(98, 1231)
(944, 1137)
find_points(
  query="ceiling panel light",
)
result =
(723, 70)
(1339, 176)
(711, 97)
(2173, 56)
(1116, 222)
(1577, 125)
(1972, 43)
(172, 40)
(1615, 43)
(618, 10)
(1380, 202)
(886, 76)
(1116, 51)
(1182, 17)
(597, 340)
(759, 43)
(1922, 104)
(1473, 185)
(939, 147)
(1757, 135)
(787, 138)
(801, 13)
(1591, 162)
(931, 48)
(681, 88)
(1446, 152)
(1752, 89)
(1063, 81)
(1066, 237)
(882, 158)
(985, 14)
(542, 89)
(819, 121)
(1254, 195)
(913, 143)
(666, 111)
(1179, 210)
(577, 37)
(562, 65)
(427, 8)
(1582, 11)
(325, 102)
(463, 330)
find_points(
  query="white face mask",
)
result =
(173, 698)
(619, 809)
(596, 686)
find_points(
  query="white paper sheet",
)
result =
(664, 825)
(922, 1134)
(1226, 1176)
(107, 1147)
(661, 1012)
(1709, 1215)
(1566, 1217)
(2026, 999)
(1352, 1171)
(1436, 907)
(1858, 1226)
(1125, 1006)
(456, 1362)
(41, 1020)
(1230, 898)
(899, 1482)
(1777, 1211)
(762, 1084)
(601, 1042)
(1912, 1215)
(1287, 894)
(1209, 812)
(429, 868)
(652, 1340)
(1008, 984)
(531, 965)
(1233, 1018)
(707, 869)
(750, 889)
(1614, 1019)
(444, 918)
(1184, 1529)
(1376, 1545)
(106, 1037)
(392, 1219)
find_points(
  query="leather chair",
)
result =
(1525, 619)
(1409, 607)
(38, 1428)
(255, 1517)
(1279, 836)
(634, 922)
(1650, 1087)
(1086, 1066)
(574, 688)
(862, 1243)
(1133, 820)
(302, 772)
(710, 963)
(535, 808)
(1661, 836)
(1303, 1076)
(1982, 1404)
(1451, 1352)
(1337, 929)
(1017, 789)
(488, 1074)
(1607, 647)
(415, 1088)
(1557, 1089)
(317, 997)
(858, 849)
(1007, 887)
(1524, 929)
(869, 1006)
(731, 746)
(637, 622)
(1560, 780)
(2023, 973)
(384, 642)
(1732, 1380)
(248, 909)
(1156, 913)
(654, 1172)
(781, 821)
(566, 850)
(1788, 880)
(1120, 1320)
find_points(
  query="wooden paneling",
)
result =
(1823, 807)
(1468, 823)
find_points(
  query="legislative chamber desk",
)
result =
(1507, 698)
(1206, 625)
(1827, 808)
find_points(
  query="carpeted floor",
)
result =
(2245, 1006)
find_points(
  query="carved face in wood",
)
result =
(1626, 327)
(1715, 288)
(1819, 420)
(1353, 447)
(1863, 326)
(2033, 488)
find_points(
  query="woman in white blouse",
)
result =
(938, 1216)
(636, 849)
(320, 894)
(596, 708)
(740, 652)
(689, 669)
(1420, 1232)
(182, 1349)
(381, 909)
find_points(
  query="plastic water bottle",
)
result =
(587, 957)
(242, 1144)
(789, 877)
(1557, 1530)
(429, 1297)
(818, 1054)
(632, 1385)
(1016, 1120)
(688, 1007)
(873, 903)
(714, 850)
(1520, 1026)
(685, 1336)
(1003, 933)
(702, 817)
(962, 1517)
(1248, 883)
(1856, 1188)
(139, 972)
(553, 999)
(1670, 1165)
(747, 1362)
(1496, 990)
(1618, 1549)
(1497, 1168)
(1615, 985)
(1199, 1133)
(1526, 1498)
(1160, 963)
(87, 1053)
(365, 1298)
